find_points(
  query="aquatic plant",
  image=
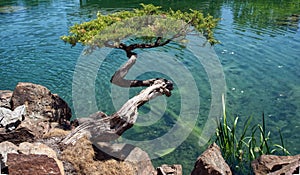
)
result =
(239, 149)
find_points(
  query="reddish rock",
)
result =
(211, 162)
(31, 165)
(273, 165)
(40, 149)
(169, 170)
(40, 101)
(5, 97)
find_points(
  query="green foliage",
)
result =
(240, 149)
(149, 20)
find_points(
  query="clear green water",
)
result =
(259, 51)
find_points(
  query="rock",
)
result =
(135, 156)
(17, 136)
(5, 98)
(27, 131)
(11, 119)
(40, 149)
(31, 164)
(29, 149)
(38, 125)
(169, 170)
(40, 101)
(36, 148)
(272, 165)
(3, 168)
(211, 162)
(5, 148)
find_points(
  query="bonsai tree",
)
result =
(143, 28)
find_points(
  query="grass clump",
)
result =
(82, 157)
(240, 149)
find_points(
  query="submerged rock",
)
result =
(11, 9)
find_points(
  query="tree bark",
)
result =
(108, 128)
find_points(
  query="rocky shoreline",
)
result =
(33, 121)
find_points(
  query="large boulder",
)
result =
(5, 97)
(211, 162)
(271, 164)
(44, 111)
(39, 101)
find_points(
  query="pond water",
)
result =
(259, 52)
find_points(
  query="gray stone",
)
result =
(169, 170)
(10, 119)
(5, 98)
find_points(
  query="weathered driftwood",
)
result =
(107, 128)
(118, 77)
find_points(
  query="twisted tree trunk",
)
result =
(108, 128)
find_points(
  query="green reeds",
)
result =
(240, 148)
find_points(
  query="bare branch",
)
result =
(108, 128)
(119, 75)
